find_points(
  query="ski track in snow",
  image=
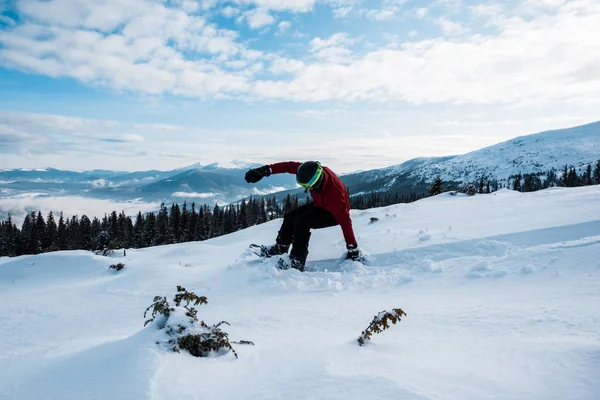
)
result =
(502, 298)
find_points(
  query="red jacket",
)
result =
(333, 196)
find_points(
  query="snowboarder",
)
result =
(330, 207)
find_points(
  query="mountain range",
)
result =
(577, 146)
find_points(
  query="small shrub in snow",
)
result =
(471, 190)
(117, 267)
(380, 323)
(183, 328)
(373, 220)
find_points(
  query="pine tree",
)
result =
(242, 216)
(550, 179)
(517, 182)
(85, 233)
(199, 228)
(138, 231)
(150, 235)
(113, 226)
(287, 204)
(121, 241)
(192, 222)
(216, 223)
(596, 175)
(587, 176)
(184, 223)
(26, 233)
(129, 233)
(263, 212)
(481, 185)
(174, 224)
(436, 186)
(565, 177)
(50, 235)
(572, 178)
(162, 226)
(95, 231)
(74, 233)
(62, 239)
(8, 239)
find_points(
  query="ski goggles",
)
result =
(314, 179)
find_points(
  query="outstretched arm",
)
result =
(256, 174)
(287, 167)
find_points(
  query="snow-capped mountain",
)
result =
(210, 183)
(578, 147)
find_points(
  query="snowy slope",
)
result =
(501, 291)
(578, 146)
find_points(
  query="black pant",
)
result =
(296, 228)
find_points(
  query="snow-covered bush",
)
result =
(117, 267)
(471, 190)
(183, 328)
(380, 323)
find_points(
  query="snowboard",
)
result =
(263, 252)
(260, 250)
(283, 261)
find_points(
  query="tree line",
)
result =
(39, 234)
(177, 224)
(373, 200)
(569, 177)
(531, 182)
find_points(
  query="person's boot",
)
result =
(297, 264)
(294, 263)
(277, 249)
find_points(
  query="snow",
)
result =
(540, 152)
(502, 302)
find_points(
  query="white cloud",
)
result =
(157, 127)
(132, 138)
(333, 49)
(230, 12)
(195, 195)
(285, 66)
(322, 112)
(18, 206)
(382, 14)
(335, 40)
(342, 12)
(162, 49)
(548, 58)
(390, 9)
(258, 17)
(273, 189)
(451, 28)
(421, 12)
(281, 5)
(38, 134)
(486, 10)
(284, 26)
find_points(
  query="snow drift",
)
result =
(501, 292)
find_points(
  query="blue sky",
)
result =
(139, 84)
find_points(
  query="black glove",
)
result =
(353, 253)
(256, 174)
